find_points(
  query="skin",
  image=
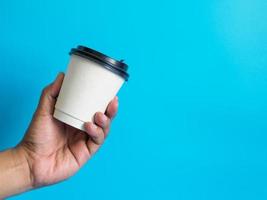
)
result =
(51, 151)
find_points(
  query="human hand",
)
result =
(54, 150)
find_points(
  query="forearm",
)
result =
(14, 173)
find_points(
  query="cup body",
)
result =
(88, 87)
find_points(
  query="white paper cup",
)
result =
(91, 82)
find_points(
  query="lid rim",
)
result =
(109, 63)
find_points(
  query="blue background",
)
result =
(193, 117)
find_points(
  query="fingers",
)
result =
(95, 132)
(49, 95)
(112, 108)
(78, 148)
(92, 147)
(103, 122)
(98, 131)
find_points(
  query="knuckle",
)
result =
(45, 90)
(106, 131)
(102, 137)
(99, 139)
(106, 123)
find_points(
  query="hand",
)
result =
(54, 150)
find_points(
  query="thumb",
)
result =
(49, 96)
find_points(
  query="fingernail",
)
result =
(103, 118)
(116, 98)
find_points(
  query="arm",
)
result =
(51, 151)
(14, 173)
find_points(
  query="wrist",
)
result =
(15, 176)
(22, 162)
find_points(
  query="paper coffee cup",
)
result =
(91, 82)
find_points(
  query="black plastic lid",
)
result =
(118, 67)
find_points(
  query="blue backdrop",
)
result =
(193, 117)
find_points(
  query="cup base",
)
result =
(68, 119)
